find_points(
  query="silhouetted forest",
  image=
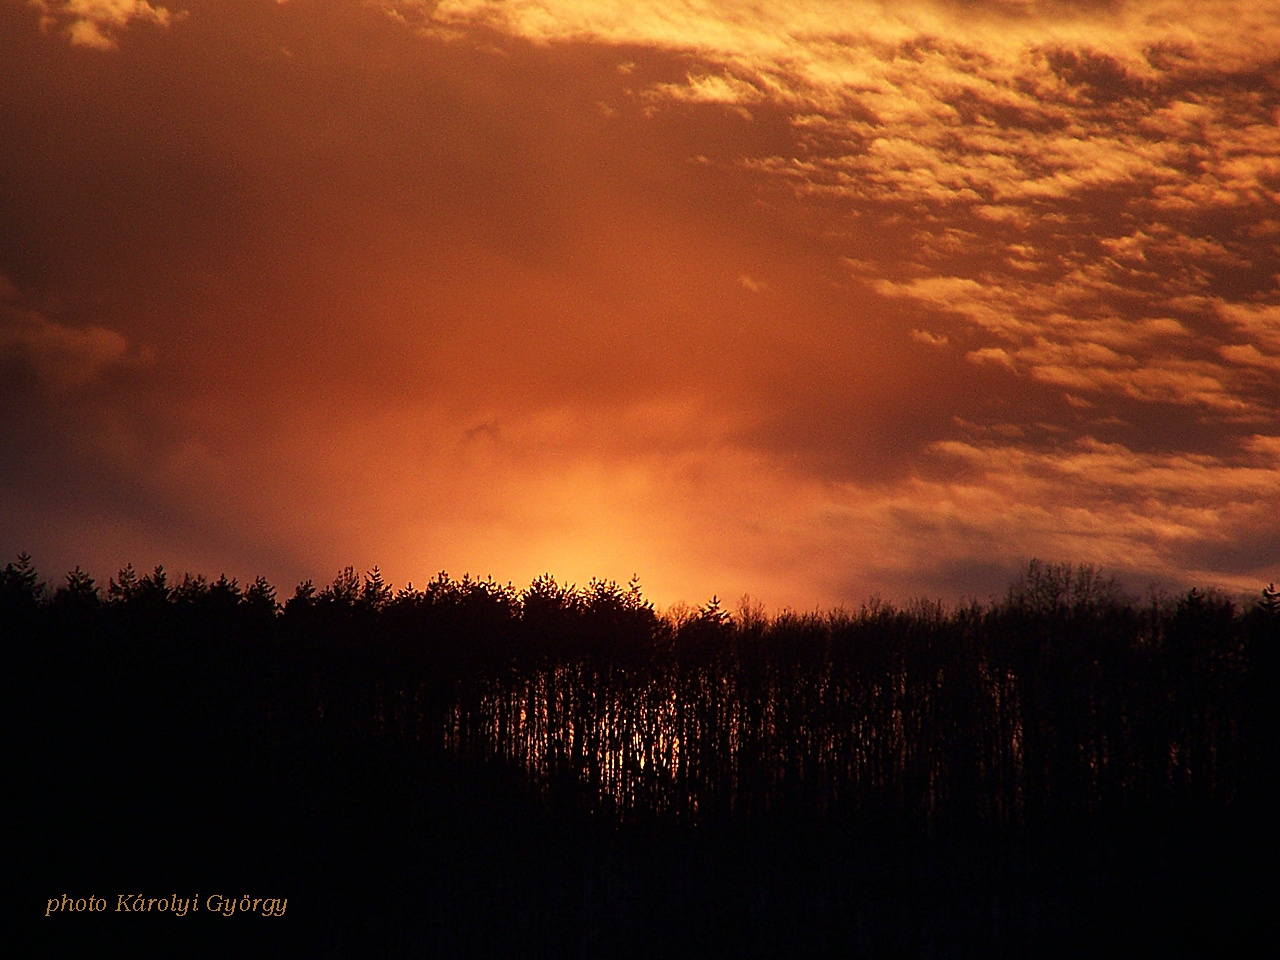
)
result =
(472, 770)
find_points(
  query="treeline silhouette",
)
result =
(468, 769)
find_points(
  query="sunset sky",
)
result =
(807, 299)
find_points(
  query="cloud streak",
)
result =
(1091, 142)
(64, 358)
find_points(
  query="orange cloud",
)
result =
(95, 23)
(64, 357)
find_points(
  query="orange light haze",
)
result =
(807, 299)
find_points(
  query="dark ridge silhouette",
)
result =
(472, 770)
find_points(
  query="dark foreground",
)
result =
(551, 774)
